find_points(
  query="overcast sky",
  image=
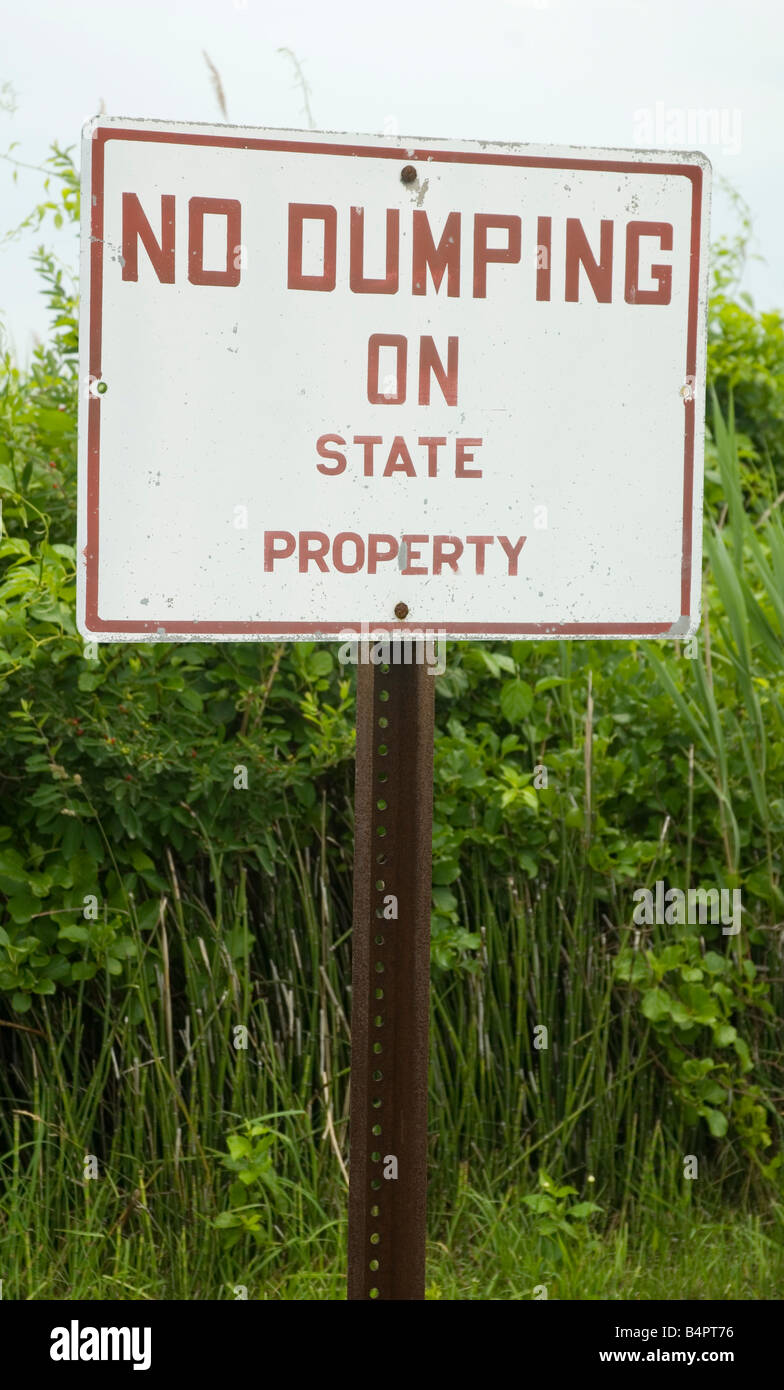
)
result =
(617, 73)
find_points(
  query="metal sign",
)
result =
(333, 381)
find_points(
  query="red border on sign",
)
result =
(91, 550)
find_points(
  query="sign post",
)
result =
(346, 388)
(391, 979)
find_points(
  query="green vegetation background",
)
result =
(557, 1169)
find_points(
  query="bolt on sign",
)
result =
(326, 377)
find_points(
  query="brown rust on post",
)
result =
(393, 820)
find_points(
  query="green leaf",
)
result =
(656, 1005)
(89, 681)
(540, 1202)
(516, 700)
(23, 906)
(549, 683)
(445, 871)
(444, 899)
(142, 862)
(319, 664)
(227, 1220)
(714, 963)
(192, 700)
(583, 1209)
(12, 866)
(74, 933)
(306, 794)
(84, 868)
(717, 1122)
(55, 421)
(84, 970)
(724, 1035)
(238, 1146)
(489, 660)
(632, 966)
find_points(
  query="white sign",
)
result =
(337, 380)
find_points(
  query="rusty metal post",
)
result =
(391, 979)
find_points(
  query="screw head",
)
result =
(408, 174)
(401, 610)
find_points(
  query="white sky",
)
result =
(550, 71)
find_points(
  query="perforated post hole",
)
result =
(390, 981)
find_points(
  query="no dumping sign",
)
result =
(333, 381)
